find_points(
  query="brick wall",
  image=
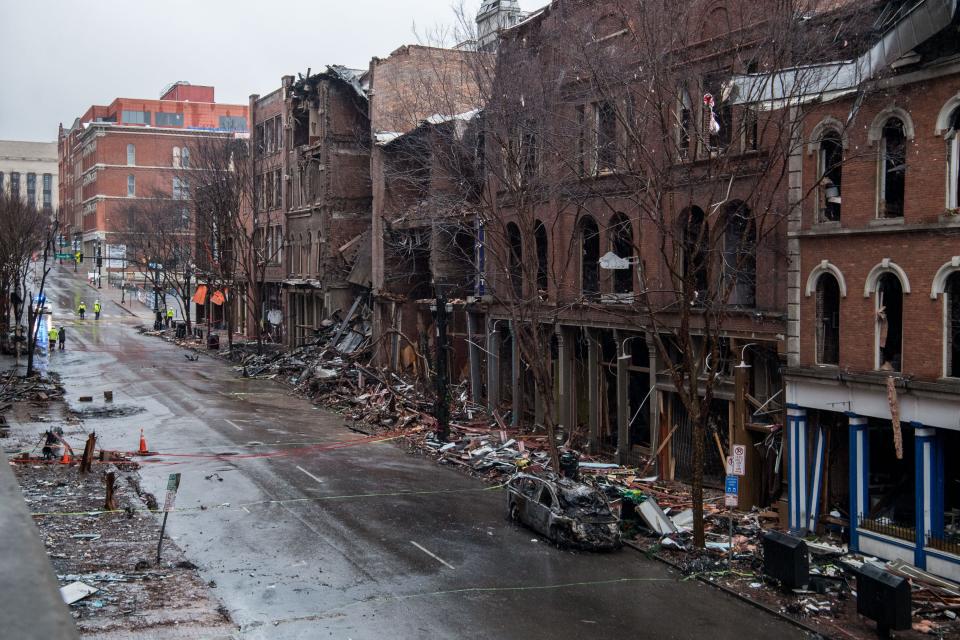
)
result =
(920, 243)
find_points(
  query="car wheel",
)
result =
(560, 537)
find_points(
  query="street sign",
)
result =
(739, 459)
(64, 256)
(173, 483)
(730, 490)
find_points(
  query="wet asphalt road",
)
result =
(363, 541)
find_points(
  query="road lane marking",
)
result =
(310, 474)
(233, 424)
(433, 555)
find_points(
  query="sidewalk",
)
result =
(30, 602)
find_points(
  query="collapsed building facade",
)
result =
(311, 168)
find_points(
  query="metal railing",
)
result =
(900, 532)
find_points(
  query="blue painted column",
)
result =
(819, 463)
(859, 475)
(797, 446)
(925, 468)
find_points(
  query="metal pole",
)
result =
(163, 527)
(442, 408)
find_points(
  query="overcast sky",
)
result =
(60, 56)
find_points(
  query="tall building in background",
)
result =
(29, 170)
(133, 148)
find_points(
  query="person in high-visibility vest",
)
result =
(96, 310)
(52, 337)
(169, 316)
(82, 309)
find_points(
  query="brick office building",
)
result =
(131, 149)
(312, 171)
(873, 383)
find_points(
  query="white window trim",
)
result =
(825, 266)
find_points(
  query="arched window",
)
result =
(830, 174)
(889, 308)
(540, 237)
(952, 136)
(740, 255)
(589, 257)
(131, 155)
(185, 157)
(696, 238)
(131, 186)
(952, 307)
(893, 169)
(621, 242)
(176, 157)
(828, 319)
(515, 259)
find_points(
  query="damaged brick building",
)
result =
(311, 167)
(873, 341)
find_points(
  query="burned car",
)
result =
(569, 513)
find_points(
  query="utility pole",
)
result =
(441, 410)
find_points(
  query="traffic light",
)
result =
(99, 261)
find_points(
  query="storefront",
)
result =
(898, 497)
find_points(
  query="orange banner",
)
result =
(217, 298)
(201, 295)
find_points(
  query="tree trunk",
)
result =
(699, 435)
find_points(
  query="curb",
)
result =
(125, 309)
(817, 633)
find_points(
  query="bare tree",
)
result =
(22, 229)
(638, 126)
(219, 184)
(45, 264)
(158, 231)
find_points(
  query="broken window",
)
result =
(606, 137)
(751, 133)
(953, 160)
(684, 124)
(540, 237)
(740, 256)
(581, 116)
(893, 169)
(589, 258)
(892, 509)
(185, 158)
(828, 319)
(717, 113)
(176, 157)
(546, 497)
(696, 234)
(830, 172)
(952, 301)
(515, 259)
(621, 242)
(889, 322)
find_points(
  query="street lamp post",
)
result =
(441, 409)
(99, 264)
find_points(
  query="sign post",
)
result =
(731, 490)
(173, 483)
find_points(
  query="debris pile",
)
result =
(105, 561)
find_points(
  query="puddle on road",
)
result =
(118, 411)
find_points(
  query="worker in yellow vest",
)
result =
(82, 309)
(169, 316)
(96, 310)
(52, 336)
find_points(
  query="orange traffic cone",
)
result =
(143, 444)
(66, 459)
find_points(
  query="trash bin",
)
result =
(181, 330)
(569, 464)
(213, 342)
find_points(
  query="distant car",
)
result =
(571, 514)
